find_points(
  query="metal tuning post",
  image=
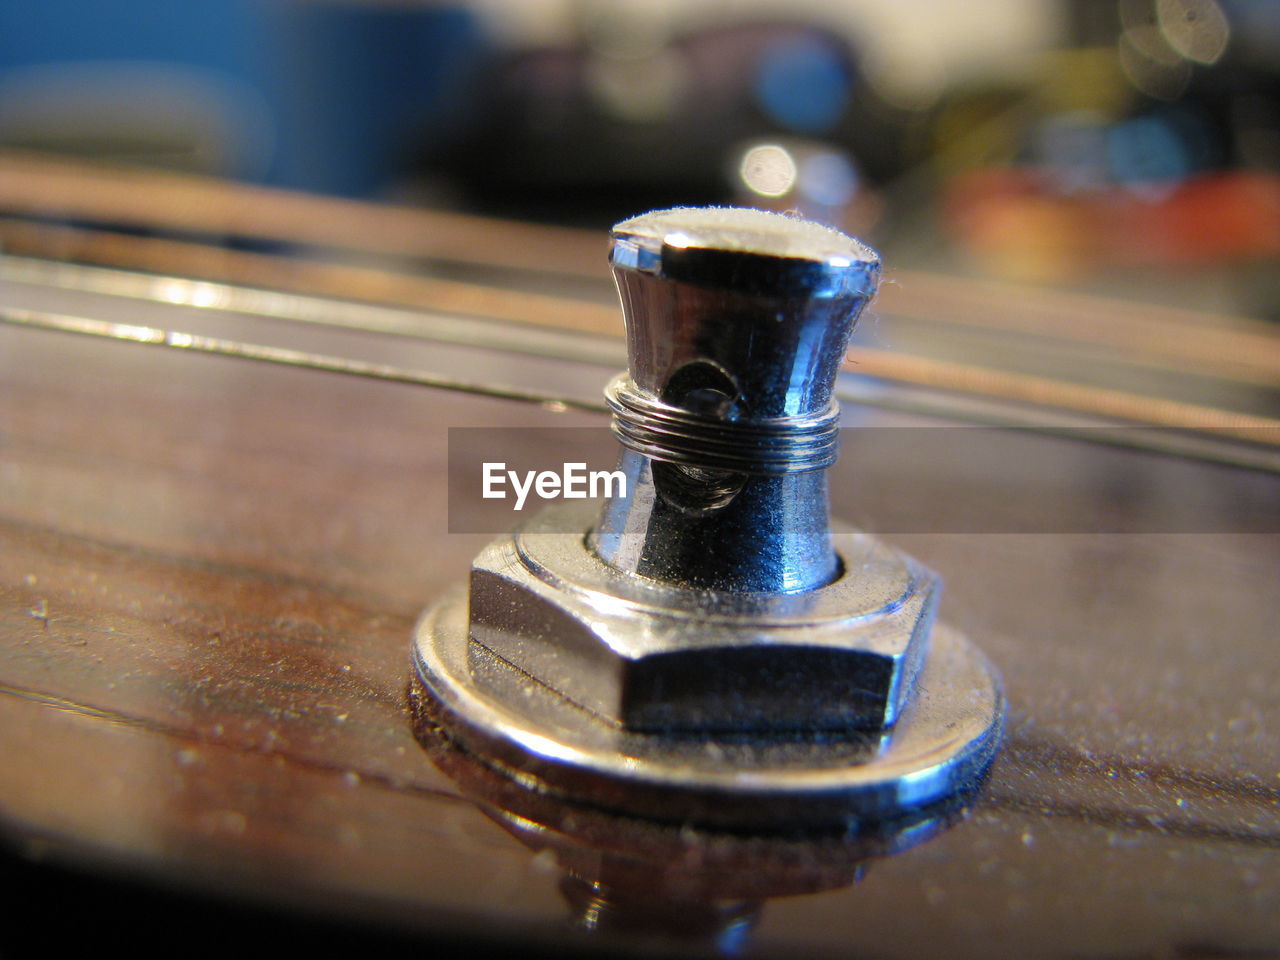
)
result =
(710, 649)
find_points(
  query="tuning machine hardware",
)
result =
(710, 649)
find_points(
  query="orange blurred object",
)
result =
(1016, 222)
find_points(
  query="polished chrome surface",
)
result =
(703, 648)
(751, 252)
(940, 745)
(655, 657)
(737, 325)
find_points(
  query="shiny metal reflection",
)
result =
(635, 879)
(706, 650)
(768, 170)
(1197, 29)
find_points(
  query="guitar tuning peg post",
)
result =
(710, 648)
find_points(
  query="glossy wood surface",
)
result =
(209, 575)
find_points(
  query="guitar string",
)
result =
(282, 356)
(286, 306)
(1022, 390)
(1207, 448)
(1210, 348)
(42, 186)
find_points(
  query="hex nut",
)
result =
(658, 658)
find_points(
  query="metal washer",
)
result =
(939, 747)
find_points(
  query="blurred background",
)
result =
(1126, 147)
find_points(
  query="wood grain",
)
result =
(208, 577)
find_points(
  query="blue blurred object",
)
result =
(1147, 149)
(361, 86)
(324, 95)
(804, 84)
